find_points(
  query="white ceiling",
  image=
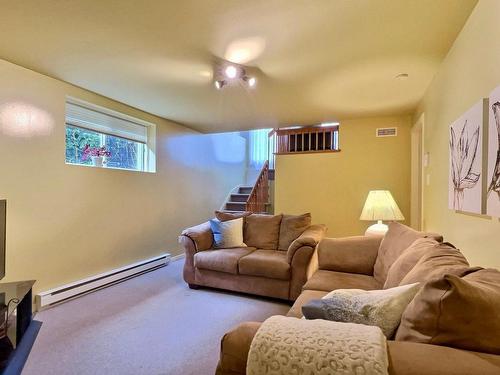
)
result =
(316, 60)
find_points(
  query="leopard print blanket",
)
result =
(284, 346)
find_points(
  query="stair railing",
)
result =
(259, 195)
(306, 139)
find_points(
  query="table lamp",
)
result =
(379, 206)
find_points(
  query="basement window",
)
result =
(99, 137)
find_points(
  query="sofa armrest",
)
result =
(310, 237)
(235, 346)
(411, 358)
(192, 240)
(349, 254)
(405, 358)
(299, 267)
(201, 235)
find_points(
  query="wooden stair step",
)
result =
(239, 197)
(238, 206)
(245, 189)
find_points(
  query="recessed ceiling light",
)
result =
(231, 71)
(402, 76)
(252, 81)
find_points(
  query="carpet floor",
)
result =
(152, 324)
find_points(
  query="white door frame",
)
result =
(417, 174)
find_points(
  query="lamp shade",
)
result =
(380, 205)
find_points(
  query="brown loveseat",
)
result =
(275, 263)
(450, 327)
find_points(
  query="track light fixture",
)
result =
(227, 74)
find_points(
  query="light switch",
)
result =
(426, 159)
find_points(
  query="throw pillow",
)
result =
(444, 259)
(457, 312)
(408, 259)
(397, 239)
(262, 231)
(226, 216)
(227, 234)
(381, 308)
(292, 226)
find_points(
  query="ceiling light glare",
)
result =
(242, 51)
(231, 72)
(252, 82)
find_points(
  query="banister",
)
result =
(310, 139)
(258, 197)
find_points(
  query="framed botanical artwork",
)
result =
(493, 179)
(465, 182)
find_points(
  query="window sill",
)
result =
(111, 168)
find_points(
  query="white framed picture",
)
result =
(465, 146)
(493, 179)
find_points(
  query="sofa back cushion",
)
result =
(291, 227)
(407, 260)
(262, 231)
(397, 239)
(457, 312)
(444, 259)
(226, 216)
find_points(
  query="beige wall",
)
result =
(334, 186)
(470, 71)
(67, 222)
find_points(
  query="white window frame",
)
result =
(149, 157)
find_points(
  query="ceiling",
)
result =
(315, 61)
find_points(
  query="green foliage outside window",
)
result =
(125, 153)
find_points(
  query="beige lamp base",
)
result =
(378, 229)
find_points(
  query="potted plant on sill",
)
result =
(98, 155)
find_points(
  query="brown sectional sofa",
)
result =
(275, 263)
(437, 314)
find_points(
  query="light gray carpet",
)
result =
(151, 324)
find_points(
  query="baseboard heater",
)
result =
(103, 280)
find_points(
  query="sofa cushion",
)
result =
(457, 312)
(331, 280)
(262, 231)
(397, 239)
(265, 263)
(302, 299)
(408, 259)
(226, 216)
(222, 260)
(291, 227)
(380, 308)
(227, 234)
(444, 259)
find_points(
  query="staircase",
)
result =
(251, 198)
(238, 200)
